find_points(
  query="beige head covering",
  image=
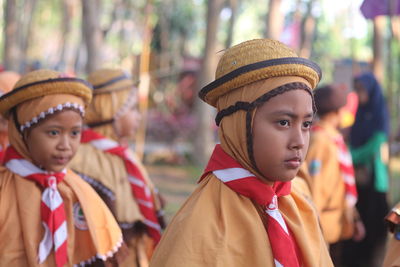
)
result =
(114, 92)
(251, 73)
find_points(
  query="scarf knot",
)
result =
(51, 207)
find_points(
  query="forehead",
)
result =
(297, 100)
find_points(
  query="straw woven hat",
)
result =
(41, 83)
(110, 80)
(256, 60)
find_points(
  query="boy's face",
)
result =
(281, 134)
(54, 141)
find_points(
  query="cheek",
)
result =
(75, 142)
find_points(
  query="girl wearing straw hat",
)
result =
(243, 212)
(106, 162)
(48, 215)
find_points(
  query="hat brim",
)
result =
(289, 66)
(71, 86)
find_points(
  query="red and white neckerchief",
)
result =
(346, 167)
(139, 187)
(243, 182)
(51, 207)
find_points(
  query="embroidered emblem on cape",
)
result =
(314, 167)
(79, 217)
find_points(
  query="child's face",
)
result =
(281, 134)
(54, 141)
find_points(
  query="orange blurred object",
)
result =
(8, 80)
(349, 110)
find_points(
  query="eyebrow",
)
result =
(290, 114)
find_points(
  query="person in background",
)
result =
(369, 148)
(330, 166)
(243, 212)
(106, 162)
(7, 82)
(48, 215)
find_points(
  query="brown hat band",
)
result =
(259, 65)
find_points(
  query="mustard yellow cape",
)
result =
(218, 227)
(327, 185)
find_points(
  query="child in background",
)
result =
(243, 212)
(106, 162)
(7, 82)
(330, 166)
(48, 215)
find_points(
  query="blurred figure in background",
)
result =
(369, 149)
(330, 165)
(7, 82)
(106, 162)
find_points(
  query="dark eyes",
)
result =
(286, 123)
(283, 123)
(307, 124)
(53, 132)
(75, 133)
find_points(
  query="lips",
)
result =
(62, 160)
(293, 163)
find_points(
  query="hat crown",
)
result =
(37, 76)
(250, 52)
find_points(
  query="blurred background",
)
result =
(172, 47)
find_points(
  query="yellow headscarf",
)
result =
(113, 90)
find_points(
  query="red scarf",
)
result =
(346, 167)
(139, 187)
(51, 208)
(243, 182)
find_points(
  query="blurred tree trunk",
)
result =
(92, 34)
(378, 46)
(67, 13)
(164, 38)
(307, 31)
(11, 46)
(233, 4)
(274, 20)
(26, 28)
(144, 77)
(204, 139)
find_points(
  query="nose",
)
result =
(298, 138)
(64, 142)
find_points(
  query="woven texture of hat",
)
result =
(255, 51)
(102, 80)
(44, 82)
